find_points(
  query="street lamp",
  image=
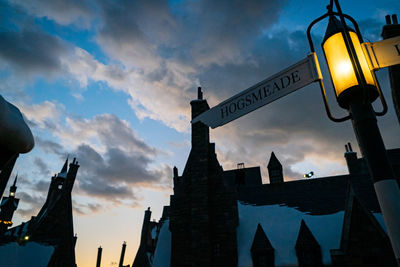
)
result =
(356, 87)
(340, 65)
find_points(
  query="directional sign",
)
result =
(285, 82)
(383, 53)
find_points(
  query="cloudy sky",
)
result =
(109, 82)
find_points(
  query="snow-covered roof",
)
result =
(162, 255)
(12, 254)
(4, 201)
(281, 224)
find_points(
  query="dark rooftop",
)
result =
(314, 196)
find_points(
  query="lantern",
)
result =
(351, 77)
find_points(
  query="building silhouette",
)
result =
(229, 218)
(7, 208)
(47, 238)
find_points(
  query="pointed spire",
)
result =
(261, 241)
(63, 172)
(15, 180)
(13, 188)
(275, 170)
(308, 251)
(65, 167)
(274, 162)
(305, 237)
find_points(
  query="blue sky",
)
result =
(110, 82)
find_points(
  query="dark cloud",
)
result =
(113, 159)
(63, 12)
(32, 51)
(32, 201)
(224, 31)
(49, 146)
(113, 175)
(109, 191)
(122, 38)
(42, 186)
(41, 166)
(85, 209)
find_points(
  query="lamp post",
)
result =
(356, 87)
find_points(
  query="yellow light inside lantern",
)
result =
(339, 62)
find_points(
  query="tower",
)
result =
(55, 219)
(8, 206)
(203, 217)
(275, 170)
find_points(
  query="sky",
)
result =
(110, 82)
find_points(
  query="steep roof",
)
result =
(305, 237)
(260, 241)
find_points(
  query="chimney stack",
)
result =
(99, 251)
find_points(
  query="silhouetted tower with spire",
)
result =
(8, 206)
(308, 250)
(275, 170)
(55, 219)
(203, 216)
(262, 252)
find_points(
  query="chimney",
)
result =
(200, 131)
(176, 178)
(121, 259)
(99, 251)
(353, 165)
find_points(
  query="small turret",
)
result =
(353, 164)
(275, 170)
(175, 177)
(13, 188)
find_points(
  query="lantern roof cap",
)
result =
(334, 26)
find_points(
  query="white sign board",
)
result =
(285, 82)
(383, 53)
